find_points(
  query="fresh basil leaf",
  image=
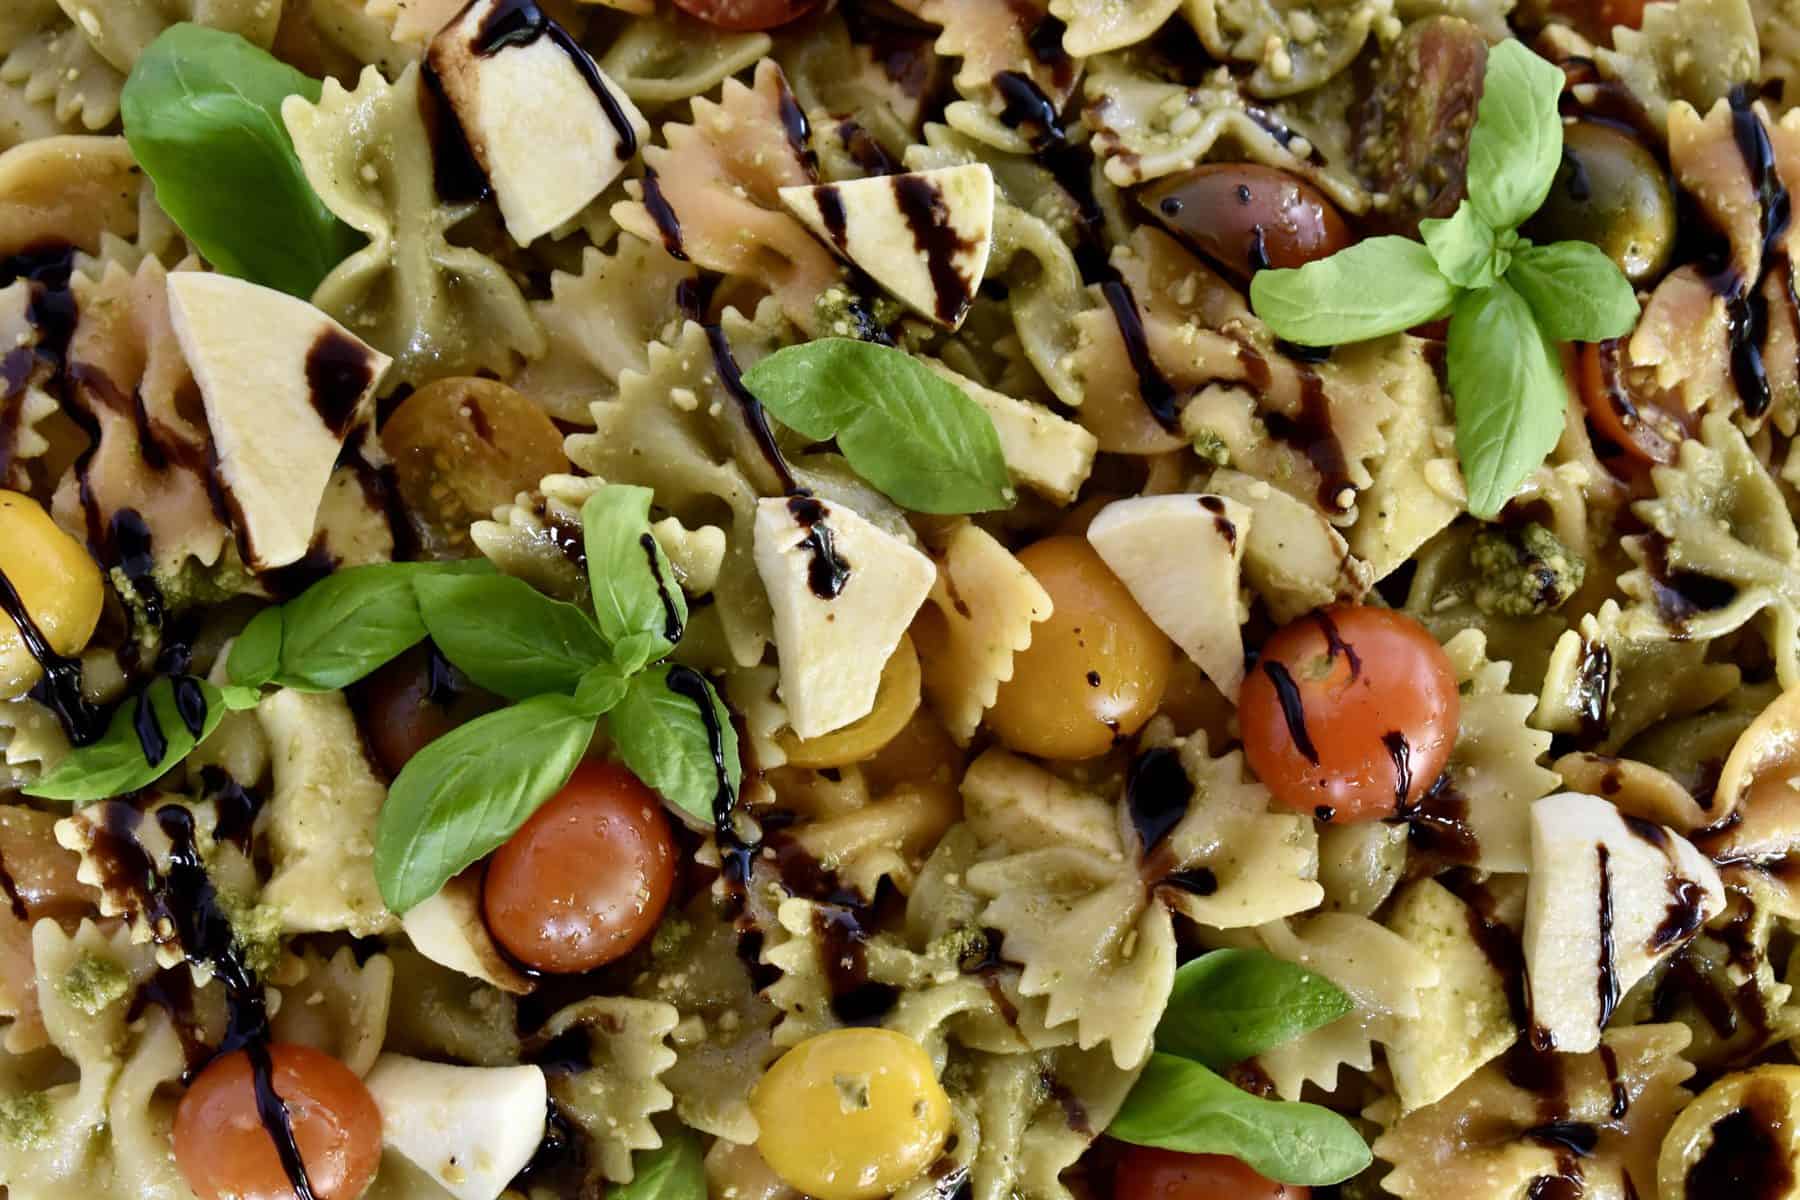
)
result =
(256, 652)
(202, 113)
(1376, 287)
(635, 592)
(1231, 1005)
(355, 621)
(238, 699)
(1466, 249)
(1516, 145)
(600, 689)
(1180, 1105)
(667, 742)
(1510, 394)
(915, 436)
(1576, 292)
(118, 762)
(463, 795)
(506, 635)
(673, 1171)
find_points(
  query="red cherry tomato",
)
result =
(413, 701)
(1145, 1173)
(586, 878)
(1647, 426)
(225, 1152)
(1594, 19)
(746, 16)
(1350, 713)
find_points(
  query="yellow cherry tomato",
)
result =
(56, 580)
(852, 1114)
(896, 700)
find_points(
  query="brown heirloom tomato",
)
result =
(586, 878)
(1145, 1173)
(1245, 216)
(1350, 713)
(225, 1152)
(746, 16)
(1643, 421)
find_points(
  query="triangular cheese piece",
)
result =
(1610, 897)
(843, 592)
(472, 1129)
(283, 385)
(1179, 557)
(922, 235)
(546, 124)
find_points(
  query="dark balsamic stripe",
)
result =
(1158, 394)
(667, 223)
(1157, 794)
(831, 212)
(1336, 645)
(522, 22)
(732, 380)
(672, 629)
(928, 216)
(338, 372)
(1293, 711)
(1608, 982)
(827, 572)
(1400, 751)
(797, 128)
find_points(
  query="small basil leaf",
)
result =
(463, 795)
(1231, 1005)
(1180, 1105)
(1576, 292)
(506, 635)
(1510, 395)
(635, 591)
(256, 654)
(668, 743)
(353, 622)
(600, 689)
(1376, 287)
(1516, 145)
(202, 113)
(673, 1171)
(119, 762)
(915, 436)
(1464, 247)
(237, 699)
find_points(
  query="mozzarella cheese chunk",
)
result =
(283, 385)
(470, 1128)
(1609, 898)
(449, 929)
(843, 592)
(922, 235)
(1179, 556)
(1049, 454)
(546, 124)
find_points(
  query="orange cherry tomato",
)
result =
(586, 878)
(1350, 713)
(1145, 1173)
(746, 16)
(225, 1152)
(1647, 427)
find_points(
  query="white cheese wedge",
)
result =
(1051, 455)
(544, 122)
(843, 592)
(922, 235)
(1179, 556)
(449, 929)
(1609, 898)
(470, 1128)
(283, 385)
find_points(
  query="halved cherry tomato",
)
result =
(225, 1151)
(1145, 1173)
(1245, 216)
(746, 16)
(1594, 19)
(1350, 713)
(412, 702)
(586, 878)
(1648, 425)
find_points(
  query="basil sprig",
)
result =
(463, 795)
(914, 435)
(1509, 301)
(146, 738)
(1228, 1006)
(202, 113)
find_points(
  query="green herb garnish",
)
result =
(202, 113)
(673, 1171)
(1509, 301)
(118, 764)
(912, 434)
(1226, 1007)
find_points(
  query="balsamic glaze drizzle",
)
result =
(60, 688)
(663, 213)
(928, 216)
(672, 627)
(1293, 711)
(522, 22)
(827, 573)
(1608, 982)
(1157, 794)
(1400, 751)
(1747, 1157)
(1745, 304)
(151, 739)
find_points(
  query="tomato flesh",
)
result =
(1350, 713)
(1146, 1173)
(225, 1152)
(586, 878)
(746, 16)
(1648, 429)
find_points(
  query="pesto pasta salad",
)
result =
(934, 599)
